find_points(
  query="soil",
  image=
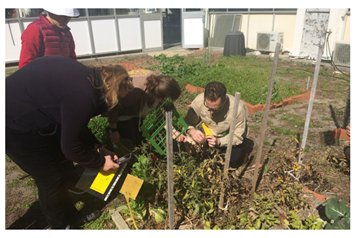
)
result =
(22, 206)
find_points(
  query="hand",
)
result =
(109, 162)
(197, 135)
(180, 138)
(110, 157)
(212, 141)
(115, 138)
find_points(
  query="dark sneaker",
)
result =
(86, 218)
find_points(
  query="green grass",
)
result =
(326, 119)
(294, 120)
(284, 131)
(248, 75)
(254, 127)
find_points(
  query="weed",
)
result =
(312, 125)
(7, 159)
(30, 182)
(79, 205)
(266, 142)
(310, 223)
(97, 125)
(104, 222)
(14, 184)
(254, 127)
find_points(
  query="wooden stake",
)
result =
(229, 144)
(311, 101)
(308, 83)
(265, 117)
(170, 168)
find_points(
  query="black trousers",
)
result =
(41, 157)
(129, 129)
(237, 155)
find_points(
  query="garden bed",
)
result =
(324, 171)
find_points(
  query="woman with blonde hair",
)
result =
(49, 103)
(149, 92)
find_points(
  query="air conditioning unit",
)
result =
(341, 56)
(267, 40)
(151, 10)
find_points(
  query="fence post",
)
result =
(311, 101)
(265, 117)
(170, 168)
(229, 145)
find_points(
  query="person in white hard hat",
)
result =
(49, 35)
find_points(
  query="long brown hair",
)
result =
(161, 87)
(114, 77)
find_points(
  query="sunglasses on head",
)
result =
(128, 79)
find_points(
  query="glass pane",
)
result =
(30, 12)
(237, 23)
(261, 9)
(10, 13)
(100, 11)
(222, 25)
(217, 10)
(82, 12)
(286, 9)
(127, 11)
(152, 10)
(237, 9)
(192, 9)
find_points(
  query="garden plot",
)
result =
(280, 201)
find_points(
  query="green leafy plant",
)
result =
(275, 92)
(310, 223)
(337, 213)
(262, 208)
(97, 125)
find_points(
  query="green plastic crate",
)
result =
(153, 128)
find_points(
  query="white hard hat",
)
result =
(68, 12)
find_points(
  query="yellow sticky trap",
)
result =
(131, 186)
(103, 180)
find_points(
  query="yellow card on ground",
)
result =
(103, 180)
(131, 186)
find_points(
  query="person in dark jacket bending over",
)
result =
(48, 35)
(49, 103)
(149, 92)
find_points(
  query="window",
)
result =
(30, 12)
(237, 9)
(82, 12)
(261, 9)
(192, 9)
(10, 13)
(286, 9)
(100, 11)
(127, 11)
(217, 10)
